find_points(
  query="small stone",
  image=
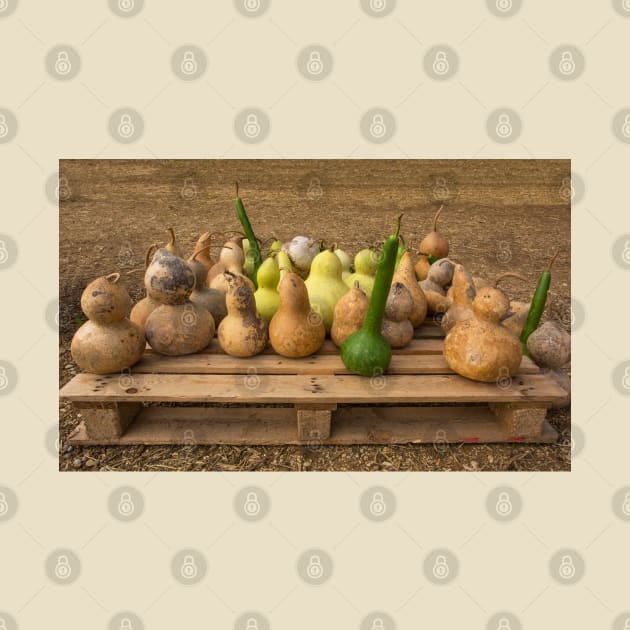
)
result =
(91, 463)
(76, 463)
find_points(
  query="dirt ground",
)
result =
(499, 215)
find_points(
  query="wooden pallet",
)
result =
(321, 402)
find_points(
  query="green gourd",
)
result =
(325, 286)
(365, 265)
(367, 352)
(267, 298)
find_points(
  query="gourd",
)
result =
(296, 330)
(325, 286)
(302, 251)
(462, 294)
(243, 332)
(346, 262)
(172, 247)
(516, 319)
(232, 259)
(204, 242)
(365, 265)
(168, 279)
(349, 314)
(549, 345)
(407, 276)
(284, 263)
(480, 348)
(146, 305)
(422, 266)
(266, 296)
(367, 352)
(178, 326)
(210, 299)
(108, 342)
(440, 274)
(434, 243)
(396, 327)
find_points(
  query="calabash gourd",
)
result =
(146, 305)
(422, 266)
(349, 314)
(407, 276)
(172, 247)
(549, 345)
(296, 330)
(243, 332)
(434, 243)
(108, 342)
(462, 295)
(169, 279)
(480, 348)
(284, 263)
(204, 242)
(365, 265)
(266, 296)
(440, 274)
(367, 352)
(396, 327)
(325, 286)
(232, 259)
(346, 263)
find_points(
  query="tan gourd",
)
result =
(146, 305)
(439, 275)
(407, 276)
(169, 279)
(243, 332)
(422, 266)
(231, 258)
(480, 348)
(349, 314)
(396, 327)
(108, 342)
(204, 242)
(295, 330)
(211, 299)
(462, 295)
(172, 247)
(434, 243)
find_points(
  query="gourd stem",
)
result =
(171, 232)
(149, 254)
(508, 274)
(436, 217)
(553, 259)
(113, 277)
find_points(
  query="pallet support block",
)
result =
(108, 420)
(519, 420)
(313, 422)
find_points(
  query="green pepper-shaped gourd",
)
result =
(367, 352)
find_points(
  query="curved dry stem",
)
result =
(509, 274)
(113, 277)
(171, 240)
(436, 217)
(150, 251)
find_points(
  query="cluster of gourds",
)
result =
(303, 291)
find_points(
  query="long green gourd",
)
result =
(537, 306)
(367, 352)
(251, 237)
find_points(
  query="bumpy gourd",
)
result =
(396, 327)
(365, 265)
(480, 348)
(407, 276)
(439, 275)
(325, 286)
(266, 295)
(296, 330)
(549, 345)
(169, 279)
(243, 332)
(349, 314)
(172, 247)
(146, 305)
(108, 342)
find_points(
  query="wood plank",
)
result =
(273, 426)
(153, 363)
(313, 423)
(287, 388)
(108, 419)
(521, 421)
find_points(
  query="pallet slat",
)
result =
(276, 426)
(289, 388)
(153, 363)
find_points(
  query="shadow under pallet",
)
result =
(309, 401)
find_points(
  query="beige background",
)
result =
(378, 62)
